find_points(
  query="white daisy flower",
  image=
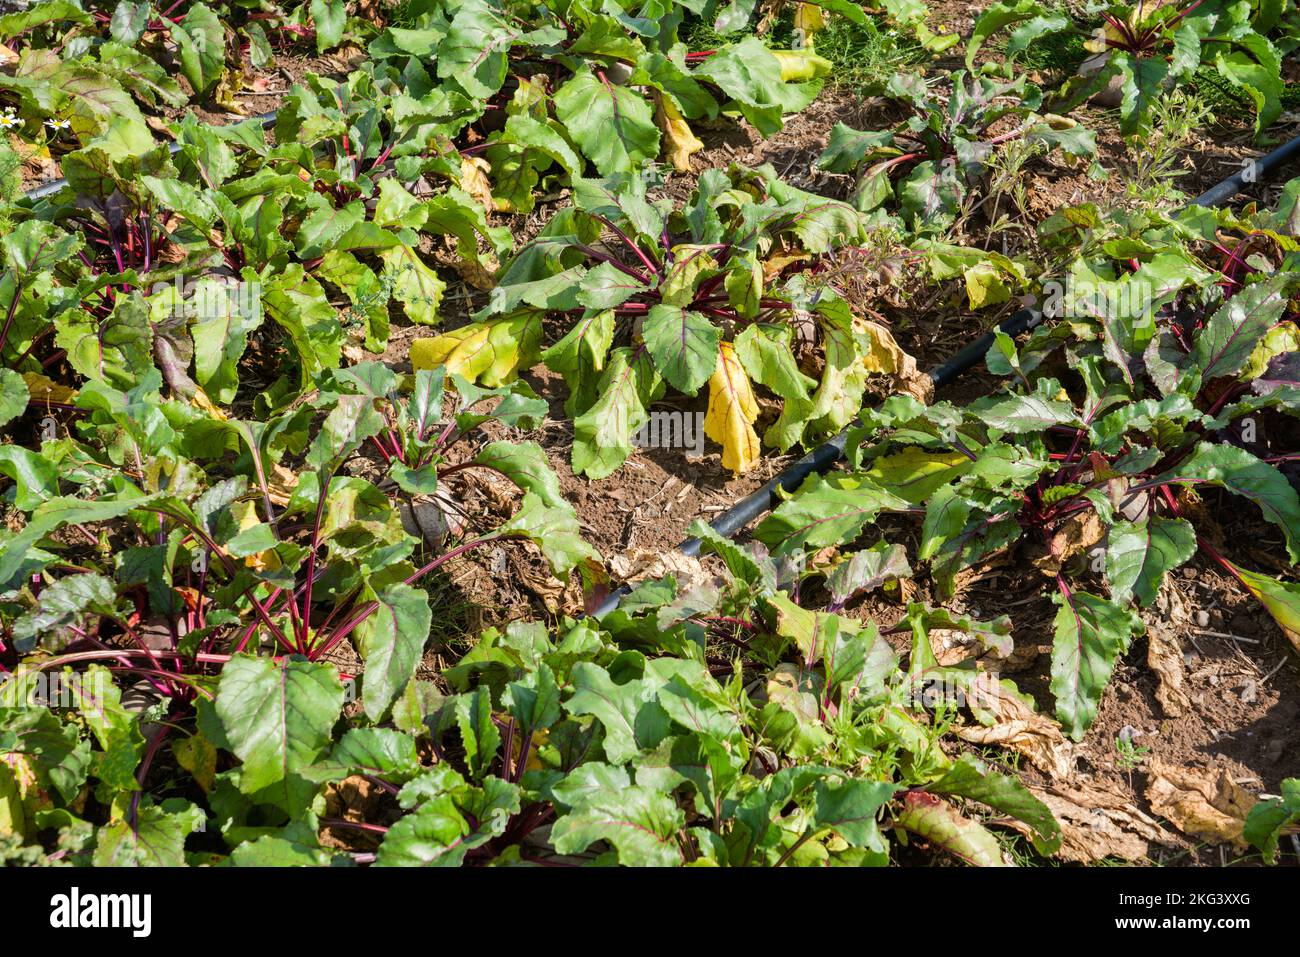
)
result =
(57, 125)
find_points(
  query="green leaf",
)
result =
(1142, 82)
(580, 356)
(602, 435)
(765, 354)
(156, 838)
(525, 464)
(431, 837)
(629, 713)
(220, 332)
(382, 752)
(552, 528)
(99, 703)
(297, 302)
(1236, 470)
(475, 49)
(202, 41)
(867, 570)
(13, 396)
(1258, 73)
(277, 715)
(1232, 331)
(1025, 413)
(749, 74)
(478, 732)
(417, 287)
(353, 419)
(1272, 817)
(1007, 12)
(36, 479)
(684, 345)
(1140, 554)
(849, 809)
(826, 511)
(971, 778)
(391, 641)
(1282, 599)
(56, 513)
(330, 17)
(641, 823)
(612, 125)
(296, 845)
(1091, 633)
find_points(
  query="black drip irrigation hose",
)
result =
(54, 186)
(824, 456)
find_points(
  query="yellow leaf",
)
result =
(44, 389)
(197, 755)
(808, 20)
(679, 141)
(474, 180)
(1284, 337)
(732, 411)
(800, 65)
(246, 514)
(201, 401)
(488, 352)
(775, 264)
(914, 474)
(885, 356)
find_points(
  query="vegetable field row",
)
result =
(296, 410)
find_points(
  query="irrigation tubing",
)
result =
(824, 456)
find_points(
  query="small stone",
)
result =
(1249, 692)
(1202, 619)
(1189, 572)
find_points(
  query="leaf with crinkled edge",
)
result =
(416, 286)
(1140, 554)
(602, 434)
(155, 838)
(1236, 470)
(640, 822)
(629, 712)
(1091, 634)
(552, 528)
(612, 125)
(825, 511)
(277, 714)
(1232, 331)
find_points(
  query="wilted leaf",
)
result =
(1203, 803)
(732, 412)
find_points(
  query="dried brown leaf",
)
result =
(1203, 803)
(1023, 730)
